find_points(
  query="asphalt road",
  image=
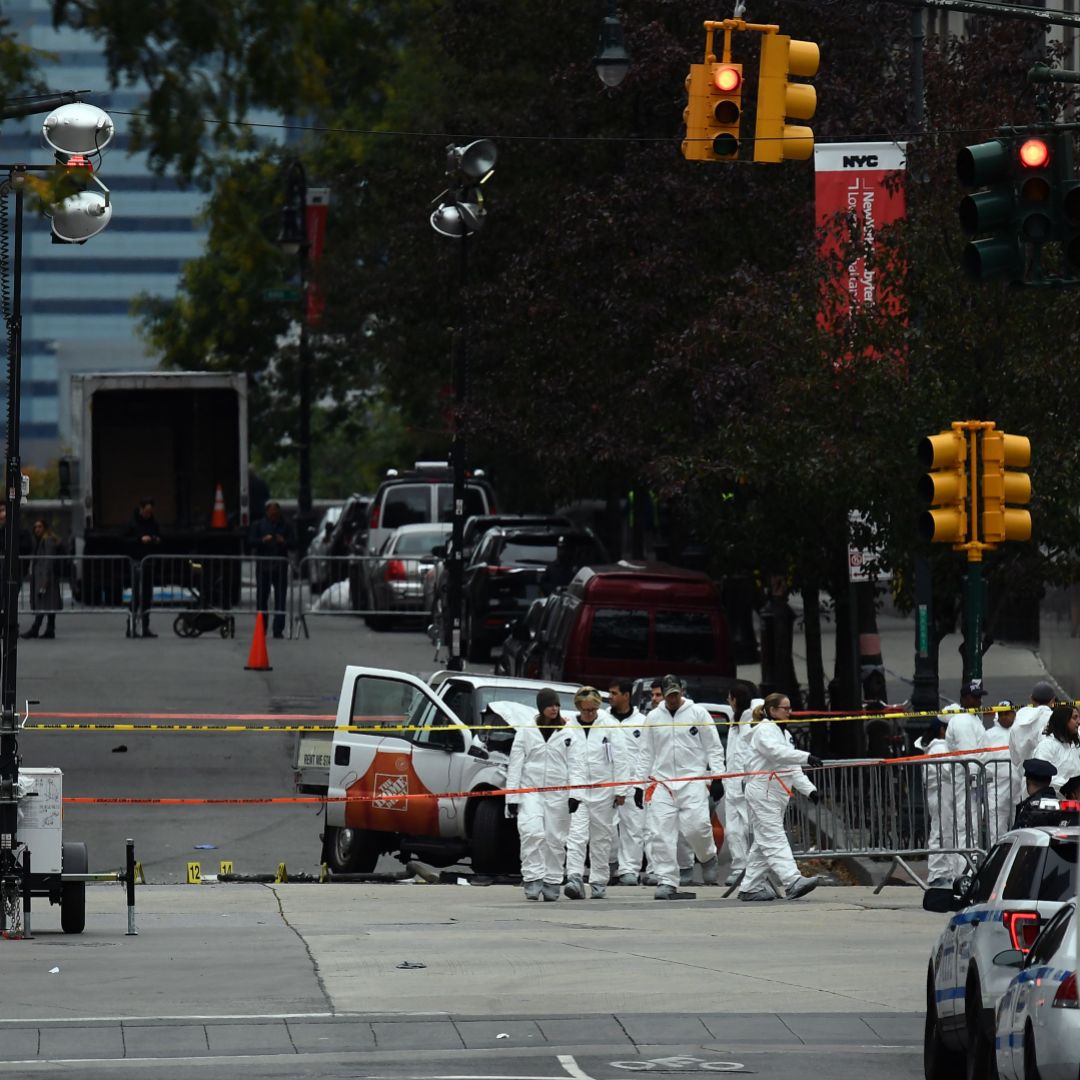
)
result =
(92, 667)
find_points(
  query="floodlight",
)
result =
(81, 216)
(78, 128)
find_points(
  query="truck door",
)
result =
(377, 761)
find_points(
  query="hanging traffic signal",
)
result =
(695, 115)
(1034, 173)
(777, 99)
(722, 123)
(944, 490)
(1000, 453)
(991, 211)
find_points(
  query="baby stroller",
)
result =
(205, 585)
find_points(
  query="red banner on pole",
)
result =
(316, 213)
(863, 183)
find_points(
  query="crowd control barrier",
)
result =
(905, 810)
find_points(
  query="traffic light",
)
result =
(774, 139)
(944, 490)
(1034, 172)
(1000, 452)
(991, 211)
(713, 112)
(726, 99)
(1067, 206)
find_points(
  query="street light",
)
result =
(293, 241)
(72, 131)
(459, 215)
(612, 61)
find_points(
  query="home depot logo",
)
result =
(390, 784)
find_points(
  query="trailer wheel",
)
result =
(73, 893)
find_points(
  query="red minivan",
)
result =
(634, 617)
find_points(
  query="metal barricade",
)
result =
(381, 588)
(87, 583)
(947, 811)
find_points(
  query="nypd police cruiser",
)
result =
(1023, 882)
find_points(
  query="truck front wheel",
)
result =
(73, 893)
(495, 847)
(350, 851)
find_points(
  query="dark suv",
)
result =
(510, 568)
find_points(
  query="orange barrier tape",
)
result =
(649, 784)
(183, 716)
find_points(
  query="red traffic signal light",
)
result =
(1034, 153)
(726, 78)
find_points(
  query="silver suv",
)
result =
(421, 496)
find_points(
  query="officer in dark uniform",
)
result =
(1037, 777)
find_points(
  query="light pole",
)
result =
(73, 131)
(612, 61)
(460, 213)
(294, 241)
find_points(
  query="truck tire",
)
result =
(73, 893)
(495, 846)
(350, 851)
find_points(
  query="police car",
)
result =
(1038, 1017)
(1024, 881)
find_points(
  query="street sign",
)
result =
(286, 295)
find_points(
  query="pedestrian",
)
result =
(1060, 743)
(631, 817)
(45, 598)
(1038, 775)
(1026, 730)
(776, 768)
(942, 868)
(1000, 805)
(656, 694)
(593, 826)
(271, 540)
(736, 813)
(548, 753)
(144, 535)
(965, 734)
(680, 742)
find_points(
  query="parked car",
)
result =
(629, 617)
(394, 735)
(475, 527)
(517, 646)
(318, 569)
(510, 568)
(334, 547)
(393, 582)
(1038, 1017)
(423, 495)
(1027, 877)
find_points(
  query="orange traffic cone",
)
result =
(258, 660)
(218, 520)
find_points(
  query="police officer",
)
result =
(1037, 777)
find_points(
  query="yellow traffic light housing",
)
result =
(1000, 453)
(696, 146)
(944, 490)
(774, 139)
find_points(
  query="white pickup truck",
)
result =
(448, 738)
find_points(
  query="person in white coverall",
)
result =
(966, 732)
(736, 813)
(1060, 745)
(776, 767)
(680, 741)
(941, 869)
(593, 826)
(1026, 731)
(631, 818)
(550, 752)
(1000, 807)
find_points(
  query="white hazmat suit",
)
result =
(592, 828)
(679, 744)
(938, 789)
(736, 812)
(1000, 808)
(631, 818)
(966, 731)
(543, 818)
(773, 758)
(1065, 757)
(1026, 731)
